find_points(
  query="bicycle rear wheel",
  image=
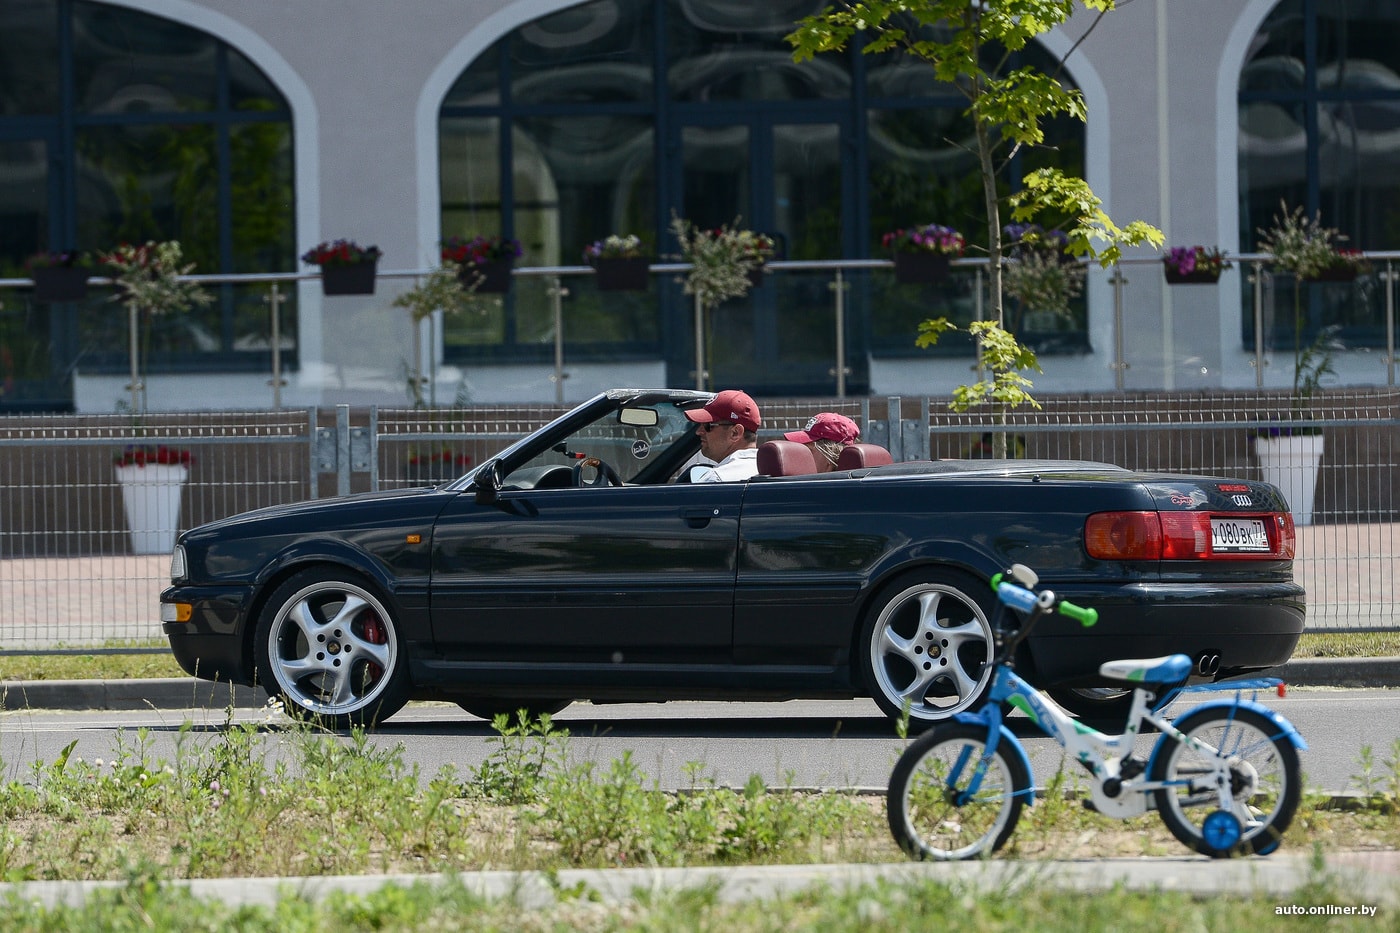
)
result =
(929, 812)
(1265, 783)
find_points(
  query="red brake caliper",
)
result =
(374, 634)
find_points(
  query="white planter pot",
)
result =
(151, 495)
(1291, 464)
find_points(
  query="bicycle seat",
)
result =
(1171, 669)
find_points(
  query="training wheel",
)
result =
(1221, 831)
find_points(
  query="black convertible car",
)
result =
(575, 565)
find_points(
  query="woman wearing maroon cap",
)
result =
(728, 429)
(824, 436)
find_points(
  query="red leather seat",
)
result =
(856, 456)
(785, 458)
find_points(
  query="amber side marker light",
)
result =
(176, 612)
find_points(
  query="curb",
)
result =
(188, 692)
(1279, 875)
(164, 693)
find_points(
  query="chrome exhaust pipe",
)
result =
(1208, 665)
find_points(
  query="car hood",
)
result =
(421, 503)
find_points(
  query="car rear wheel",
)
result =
(1094, 704)
(927, 645)
(489, 709)
(328, 647)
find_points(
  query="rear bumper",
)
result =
(1248, 627)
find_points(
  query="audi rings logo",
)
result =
(1242, 500)
(641, 449)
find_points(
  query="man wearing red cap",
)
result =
(728, 429)
(824, 436)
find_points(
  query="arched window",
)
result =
(1319, 128)
(611, 116)
(119, 126)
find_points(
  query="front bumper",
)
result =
(214, 644)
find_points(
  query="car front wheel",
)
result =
(927, 645)
(327, 646)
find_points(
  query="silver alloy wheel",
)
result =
(931, 648)
(332, 648)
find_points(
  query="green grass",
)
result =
(159, 662)
(284, 799)
(877, 908)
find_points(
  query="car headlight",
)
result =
(178, 567)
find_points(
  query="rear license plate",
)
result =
(1238, 535)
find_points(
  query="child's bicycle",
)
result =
(1224, 776)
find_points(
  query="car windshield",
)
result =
(636, 440)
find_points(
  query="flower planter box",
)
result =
(349, 280)
(490, 278)
(60, 283)
(756, 275)
(921, 268)
(151, 498)
(622, 275)
(1196, 277)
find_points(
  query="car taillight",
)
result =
(1123, 536)
(1177, 536)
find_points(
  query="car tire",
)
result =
(489, 709)
(330, 650)
(1094, 704)
(927, 644)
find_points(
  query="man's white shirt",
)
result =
(741, 464)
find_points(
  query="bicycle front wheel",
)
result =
(932, 812)
(1263, 774)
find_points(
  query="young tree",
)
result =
(1007, 106)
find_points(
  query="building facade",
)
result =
(251, 132)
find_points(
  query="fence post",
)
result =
(1256, 281)
(838, 285)
(1119, 364)
(342, 450)
(556, 292)
(274, 299)
(1389, 276)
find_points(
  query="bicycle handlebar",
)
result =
(1024, 600)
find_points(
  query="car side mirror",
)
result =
(488, 482)
(697, 473)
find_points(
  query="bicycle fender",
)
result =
(1285, 727)
(1004, 737)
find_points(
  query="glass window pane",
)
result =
(470, 155)
(480, 84)
(807, 172)
(735, 50)
(1277, 55)
(262, 222)
(716, 174)
(593, 53)
(249, 88)
(24, 203)
(1358, 47)
(582, 178)
(923, 171)
(28, 57)
(128, 62)
(1273, 165)
(149, 183)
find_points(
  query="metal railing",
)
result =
(1254, 267)
(72, 571)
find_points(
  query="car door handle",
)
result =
(699, 518)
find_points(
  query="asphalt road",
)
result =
(803, 743)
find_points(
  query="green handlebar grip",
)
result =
(1085, 617)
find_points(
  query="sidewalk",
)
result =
(187, 692)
